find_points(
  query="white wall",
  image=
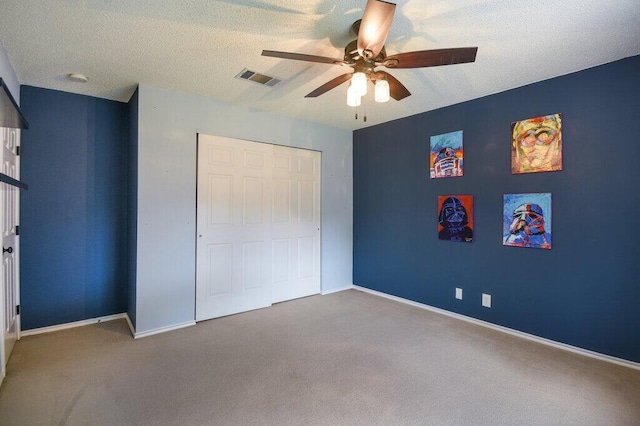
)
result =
(168, 124)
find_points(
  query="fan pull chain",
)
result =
(364, 118)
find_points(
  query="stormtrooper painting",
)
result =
(527, 220)
(455, 219)
(446, 155)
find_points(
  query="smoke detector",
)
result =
(77, 77)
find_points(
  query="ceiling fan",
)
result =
(367, 53)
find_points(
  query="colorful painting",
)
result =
(445, 159)
(455, 218)
(526, 220)
(536, 144)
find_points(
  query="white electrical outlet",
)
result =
(458, 293)
(486, 300)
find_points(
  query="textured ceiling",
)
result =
(198, 46)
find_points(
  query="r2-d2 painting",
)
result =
(446, 155)
(447, 164)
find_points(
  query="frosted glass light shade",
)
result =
(359, 81)
(353, 97)
(382, 91)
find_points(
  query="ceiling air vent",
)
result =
(256, 77)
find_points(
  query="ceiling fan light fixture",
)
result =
(382, 91)
(353, 97)
(359, 81)
(365, 54)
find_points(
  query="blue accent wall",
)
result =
(73, 240)
(585, 290)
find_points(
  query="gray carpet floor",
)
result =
(348, 358)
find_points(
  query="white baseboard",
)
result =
(336, 290)
(132, 329)
(124, 316)
(542, 340)
(163, 329)
(59, 327)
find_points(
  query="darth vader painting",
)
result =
(455, 218)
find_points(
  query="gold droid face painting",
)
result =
(536, 144)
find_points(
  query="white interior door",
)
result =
(9, 201)
(296, 223)
(233, 272)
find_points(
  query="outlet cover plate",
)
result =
(486, 300)
(458, 293)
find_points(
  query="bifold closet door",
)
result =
(233, 272)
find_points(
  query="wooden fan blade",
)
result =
(431, 58)
(331, 84)
(302, 57)
(374, 27)
(396, 89)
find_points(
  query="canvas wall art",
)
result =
(526, 220)
(536, 144)
(455, 218)
(446, 155)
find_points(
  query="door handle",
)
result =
(7, 250)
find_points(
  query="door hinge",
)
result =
(17, 229)
(17, 309)
(18, 150)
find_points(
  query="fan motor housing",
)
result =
(352, 56)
